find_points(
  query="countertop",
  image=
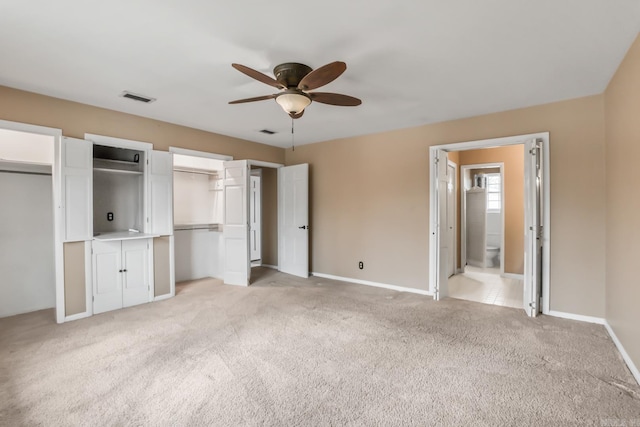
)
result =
(122, 235)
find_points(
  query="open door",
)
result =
(442, 230)
(237, 266)
(293, 220)
(533, 226)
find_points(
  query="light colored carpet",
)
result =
(288, 351)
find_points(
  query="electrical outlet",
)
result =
(361, 265)
(109, 216)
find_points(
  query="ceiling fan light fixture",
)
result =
(293, 102)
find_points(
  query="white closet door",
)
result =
(255, 216)
(442, 230)
(161, 193)
(77, 189)
(533, 226)
(237, 266)
(293, 220)
(135, 272)
(107, 276)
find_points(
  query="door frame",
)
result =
(546, 214)
(456, 183)
(57, 205)
(463, 212)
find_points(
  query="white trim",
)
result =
(118, 142)
(456, 182)
(76, 317)
(88, 278)
(274, 267)
(162, 297)
(256, 263)
(487, 143)
(57, 205)
(262, 164)
(374, 284)
(195, 153)
(579, 317)
(632, 367)
(513, 276)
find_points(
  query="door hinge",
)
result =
(534, 151)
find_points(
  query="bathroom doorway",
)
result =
(503, 258)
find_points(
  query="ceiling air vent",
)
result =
(267, 131)
(137, 97)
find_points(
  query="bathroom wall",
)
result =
(513, 159)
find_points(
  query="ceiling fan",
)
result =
(295, 81)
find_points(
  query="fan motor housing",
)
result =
(290, 73)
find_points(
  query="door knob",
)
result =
(304, 227)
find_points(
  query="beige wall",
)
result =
(270, 216)
(370, 199)
(74, 278)
(513, 158)
(161, 264)
(622, 110)
(77, 119)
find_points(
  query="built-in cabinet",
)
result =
(117, 196)
(121, 273)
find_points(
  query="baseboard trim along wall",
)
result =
(77, 316)
(275, 267)
(600, 321)
(512, 276)
(374, 284)
(580, 317)
(162, 297)
(632, 367)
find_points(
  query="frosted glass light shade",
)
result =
(293, 102)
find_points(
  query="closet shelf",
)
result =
(121, 171)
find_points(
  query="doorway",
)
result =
(534, 233)
(27, 220)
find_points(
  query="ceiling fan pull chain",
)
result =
(293, 146)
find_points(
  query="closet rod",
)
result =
(26, 173)
(196, 172)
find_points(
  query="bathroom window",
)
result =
(494, 192)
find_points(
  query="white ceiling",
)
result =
(411, 62)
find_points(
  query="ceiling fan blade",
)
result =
(258, 75)
(321, 76)
(296, 116)
(257, 98)
(334, 99)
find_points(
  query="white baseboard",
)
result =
(77, 316)
(375, 284)
(512, 276)
(632, 367)
(257, 263)
(275, 267)
(579, 317)
(162, 297)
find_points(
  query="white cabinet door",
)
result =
(237, 267)
(135, 272)
(161, 193)
(107, 276)
(293, 220)
(77, 189)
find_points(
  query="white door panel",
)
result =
(161, 193)
(451, 219)
(442, 231)
(255, 214)
(293, 220)
(135, 267)
(235, 232)
(107, 276)
(77, 189)
(533, 226)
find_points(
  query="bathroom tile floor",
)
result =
(485, 285)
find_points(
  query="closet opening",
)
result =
(27, 222)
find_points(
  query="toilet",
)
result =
(492, 256)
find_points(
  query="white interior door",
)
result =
(135, 272)
(107, 276)
(442, 230)
(161, 192)
(533, 226)
(255, 216)
(451, 218)
(77, 189)
(237, 266)
(293, 220)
